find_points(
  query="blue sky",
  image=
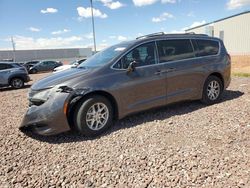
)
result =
(39, 24)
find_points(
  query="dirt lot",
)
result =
(241, 64)
(182, 145)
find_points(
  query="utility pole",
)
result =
(93, 25)
(14, 48)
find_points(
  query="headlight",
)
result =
(42, 95)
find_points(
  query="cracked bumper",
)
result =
(48, 118)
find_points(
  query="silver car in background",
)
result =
(73, 64)
(13, 74)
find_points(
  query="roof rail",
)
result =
(151, 35)
(193, 33)
(171, 34)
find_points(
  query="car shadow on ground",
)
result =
(136, 119)
(11, 88)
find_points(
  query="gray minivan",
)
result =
(126, 78)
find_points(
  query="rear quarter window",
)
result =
(5, 66)
(207, 47)
(16, 65)
(2, 66)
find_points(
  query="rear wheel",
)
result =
(212, 90)
(17, 83)
(93, 116)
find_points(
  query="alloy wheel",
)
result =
(17, 83)
(213, 90)
(97, 116)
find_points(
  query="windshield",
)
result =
(103, 57)
(73, 62)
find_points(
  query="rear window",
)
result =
(17, 65)
(32, 62)
(207, 47)
(172, 50)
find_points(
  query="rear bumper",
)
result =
(48, 118)
(27, 78)
(227, 77)
(227, 83)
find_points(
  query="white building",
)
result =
(46, 54)
(233, 30)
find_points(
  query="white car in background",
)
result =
(73, 64)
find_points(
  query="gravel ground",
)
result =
(182, 145)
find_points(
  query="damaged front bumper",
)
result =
(49, 118)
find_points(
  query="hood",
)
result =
(60, 77)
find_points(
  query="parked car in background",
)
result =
(151, 71)
(73, 64)
(43, 66)
(30, 64)
(13, 74)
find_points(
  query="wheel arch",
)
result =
(219, 75)
(13, 77)
(75, 101)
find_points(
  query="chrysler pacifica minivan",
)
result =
(151, 71)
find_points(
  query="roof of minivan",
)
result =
(156, 36)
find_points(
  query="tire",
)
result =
(212, 90)
(33, 71)
(17, 83)
(88, 121)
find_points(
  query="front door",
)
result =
(144, 87)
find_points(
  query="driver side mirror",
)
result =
(131, 67)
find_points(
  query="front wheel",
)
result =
(93, 116)
(212, 90)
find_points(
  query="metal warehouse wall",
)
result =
(27, 55)
(236, 33)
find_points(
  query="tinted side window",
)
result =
(16, 65)
(51, 63)
(5, 66)
(2, 66)
(142, 55)
(172, 50)
(207, 47)
(8, 66)
(46, 63)
(80, 61)
(32, 62)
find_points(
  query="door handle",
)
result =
(158, 72)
